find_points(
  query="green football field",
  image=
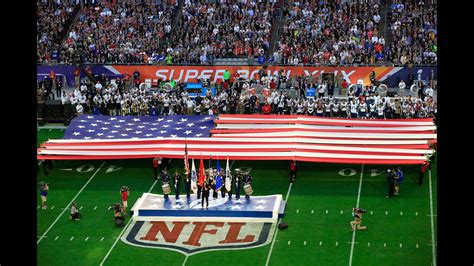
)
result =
(401, 230)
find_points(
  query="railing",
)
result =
(273, 64)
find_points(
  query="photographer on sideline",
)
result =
(44, 193)
(119, 218)
(124, 191)
(74, 212)
(356, 224)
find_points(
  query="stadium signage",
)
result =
(216, 73)
(190, 237)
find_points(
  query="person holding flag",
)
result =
(202, 178)
(219, 179)
(228, 179)
(194, 186)
(187, 182)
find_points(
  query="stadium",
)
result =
(284, 132)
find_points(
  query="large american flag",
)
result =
(246, 137)
(133, 127)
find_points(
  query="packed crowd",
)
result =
(315, 32)
(53, 20)
(414, 33)
(231, 28)
(278, 96)
(312, 32)
(119, 32)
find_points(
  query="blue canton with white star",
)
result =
(139, 127)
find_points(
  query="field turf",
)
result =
(318, 214)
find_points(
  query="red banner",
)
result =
(216, 73)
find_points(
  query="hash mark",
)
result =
(342, 211)
(371, 212)
(416, 213)
(337, 243)
(298, 210)
(386, 212)
(304, 243)
(80, 208)
(416, 245)
(312, 211)
(401, 213)
(384, 245)
(52, 207)
(56, 238)
(289, 242)
(87, 238)
(326, 211)
(320, 243)
(38, 207)
(71, 238)
(400, 245)
(368, 244)
(102, 239)
(95, 208)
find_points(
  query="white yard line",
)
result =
(123, 230)
(357, 206)
(432, 221)
(276, 228)
(66, 208)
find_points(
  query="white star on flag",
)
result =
(203, 127)
(123, 135)
(190, 124)
(207, 118)
(173, 136)
(134, 138)
(113, 131)
(117, 126)
(162, 131)
(153, 128)
(187, 132)
(82, 121)
(110, 136)
(166, 126)
(198, 135)
(113, 118)
(160, 119)
(262, 201)
(100, 134)
(76, 133)
(121, 121)
(148, 135)
(94, 124)
(259, 207)
(130, 124)
(81, 126)
(90, 130)
(104, 128)
(235, 207)
(169, 120)
(90, 117)
(87, 137)
(178, 128)
(141, 126)
(138, 132)
(136, 119)
(106, 123)
(128, 129)
(184, 119)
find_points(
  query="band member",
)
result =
(238, 183)
(187, 185)
(247, 181)
(165, 178)
(176, 179)
(199, 187)
(205, 194)
(44, 194)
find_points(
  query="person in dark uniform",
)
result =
(423, 169)
(292, 171)
(165, 179)
(176, 179)
(212, 184)
(431, 158)
(156, 165)
(391, 182)
(247, 180)
(205, 194)
(199, 192)
(223, 176)
(187, 185)
(238, 183)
